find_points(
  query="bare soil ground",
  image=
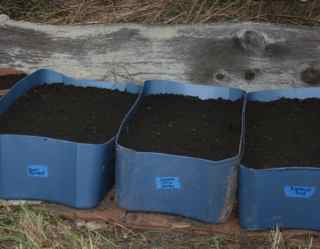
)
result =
(306, 12)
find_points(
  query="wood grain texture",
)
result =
(246, 55)
(3, 92)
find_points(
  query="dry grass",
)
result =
(27, 227)
(163, 11)
(277, 241)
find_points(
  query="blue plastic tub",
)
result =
(42, 168)
(192, 187)
(287, 197)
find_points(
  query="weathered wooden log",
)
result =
(247, 55)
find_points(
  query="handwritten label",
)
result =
(299, 191)
(167, 183)
(37, 171)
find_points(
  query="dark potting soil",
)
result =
(7, 81)
(81, 114)
(282, 133)
(185, 125)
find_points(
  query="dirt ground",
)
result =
(306, 12)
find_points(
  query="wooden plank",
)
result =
(247, 55)
(108, 212)
(3, 92)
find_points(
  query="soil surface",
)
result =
(185, 125)
(81, 114)
(281, 133)
(7, 81)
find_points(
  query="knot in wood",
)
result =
(252, 41)
(311, 75)
(4, 18)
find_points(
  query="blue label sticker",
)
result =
(167, 183)
(299, 191)
(37, 170)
